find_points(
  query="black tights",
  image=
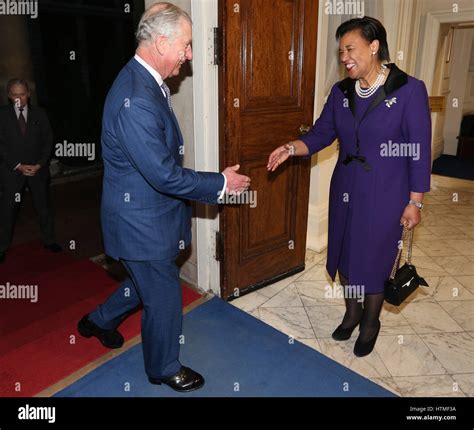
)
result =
(354, 308)
(367, 314)
(370, 319)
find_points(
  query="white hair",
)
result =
(160, 19)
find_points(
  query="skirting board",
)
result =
(317, 236)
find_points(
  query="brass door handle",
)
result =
(304, 129)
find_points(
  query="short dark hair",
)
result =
(370, 29)
(16, 81)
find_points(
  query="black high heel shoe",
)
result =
(343, 333)
(361, 349)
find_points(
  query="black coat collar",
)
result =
(395, 80)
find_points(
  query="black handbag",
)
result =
(403, 280)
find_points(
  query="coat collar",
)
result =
(395, 80)
(153, 85)
(30, 109)
(146, 76)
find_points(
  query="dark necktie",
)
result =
(168, 95)
(22, 122)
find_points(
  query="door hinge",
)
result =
(217, 46)
(219, 247)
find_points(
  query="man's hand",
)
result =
(236, 183)
(29, 170)
(25, 169)
(34, 169)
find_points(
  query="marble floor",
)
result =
(426, 346)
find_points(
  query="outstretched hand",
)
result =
(236, 183)
(278, 157)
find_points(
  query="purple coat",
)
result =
(394, 159)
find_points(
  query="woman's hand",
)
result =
(279, 156)
(411, 217)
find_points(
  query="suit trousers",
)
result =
(156, 285)
(13, 184)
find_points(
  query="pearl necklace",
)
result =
(365, 93)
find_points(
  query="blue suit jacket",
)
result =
(145, 210)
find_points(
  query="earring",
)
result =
(373, 53)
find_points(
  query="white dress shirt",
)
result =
(25, 112)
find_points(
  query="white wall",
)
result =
(444, 12)
(434, 13)
(441, 87)
(183, 107)
(457, 88)
(468, 106)
(206, 138)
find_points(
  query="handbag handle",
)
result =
(409, 239)
(407, 236)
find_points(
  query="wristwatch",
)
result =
(419, 205)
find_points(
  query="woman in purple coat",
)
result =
(381, 117)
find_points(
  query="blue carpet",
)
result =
(449, 165)
(239, 356)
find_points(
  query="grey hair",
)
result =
(16, 81)
(161, 19)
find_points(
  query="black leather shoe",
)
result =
(361, 349)
(109, 338)
(343, 333)
(184, 381)
(53, 247)
(2, 257)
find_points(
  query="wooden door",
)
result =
(267, 94)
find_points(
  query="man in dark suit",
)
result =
(26, 143)
(146, 216)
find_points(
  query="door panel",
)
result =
(267, 93)
(278, 87)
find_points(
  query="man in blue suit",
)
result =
(146, 216)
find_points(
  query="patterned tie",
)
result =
(22, 122)
(168, 95)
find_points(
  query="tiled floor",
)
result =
(426, 346)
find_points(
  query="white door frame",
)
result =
(206, 137)
(430, 43)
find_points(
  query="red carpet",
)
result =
(39, 343)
